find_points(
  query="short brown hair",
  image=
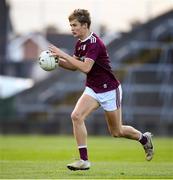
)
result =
(81, 15)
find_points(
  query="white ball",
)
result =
(47, 62)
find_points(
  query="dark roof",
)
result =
(142, 32)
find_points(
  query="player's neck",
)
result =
(85, 36)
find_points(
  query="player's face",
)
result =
(78, 30)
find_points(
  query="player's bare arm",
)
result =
(66, 65)
(84, 66)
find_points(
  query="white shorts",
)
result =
(110, 100)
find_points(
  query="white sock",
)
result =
(82, 146)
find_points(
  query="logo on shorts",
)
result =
(105, 86)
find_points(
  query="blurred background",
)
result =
(139, 39)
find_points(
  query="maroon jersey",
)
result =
(100, 78)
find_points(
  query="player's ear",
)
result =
(85, 25)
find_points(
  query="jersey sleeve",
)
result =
(93, 51)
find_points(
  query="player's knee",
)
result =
(76, 117)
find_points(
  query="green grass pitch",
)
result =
(45, 157)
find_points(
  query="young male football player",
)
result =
(102, 88)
